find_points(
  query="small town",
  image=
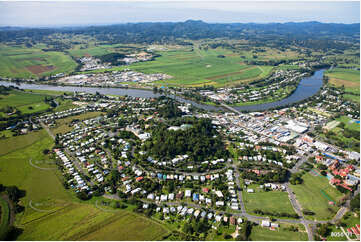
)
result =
(179, 120)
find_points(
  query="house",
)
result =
(265, 223)
(150, 196)
(171, 196)
(205, 190)
(219, 203)
(195, 197)
(218, 218)
(250, 190)
(188, 193)
(163, 198)
(219, 193)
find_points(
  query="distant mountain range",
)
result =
(194, 29)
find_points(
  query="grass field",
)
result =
(86, 222)
(20, 142)
(26, 102)
(310, 197)
(282, 234)
(272, 201)
(348, 123)
(4, 218)
(25, 62)
(61, 215)
(350, 79)
(346, 77)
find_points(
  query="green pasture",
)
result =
(199, 67)
(310, 197)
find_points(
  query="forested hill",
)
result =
(193, 30)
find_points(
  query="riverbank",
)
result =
(306, 88)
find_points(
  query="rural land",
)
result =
(180, 131)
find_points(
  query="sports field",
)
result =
(272, 201)
(23, 62)
(314, 194)
(281, 234)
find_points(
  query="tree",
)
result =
(14, 193)
(355, 203)
(46, 151)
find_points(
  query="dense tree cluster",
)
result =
(200, 141)
(112, 58)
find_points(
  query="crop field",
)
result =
(310, 196)
(272, 201)
(25, 62)
(281, 234)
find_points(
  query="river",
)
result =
(307, 87)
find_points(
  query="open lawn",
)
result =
(272, 201)
(23, 62)
(310, 196)
(280, 234)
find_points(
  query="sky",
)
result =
(78, 13)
